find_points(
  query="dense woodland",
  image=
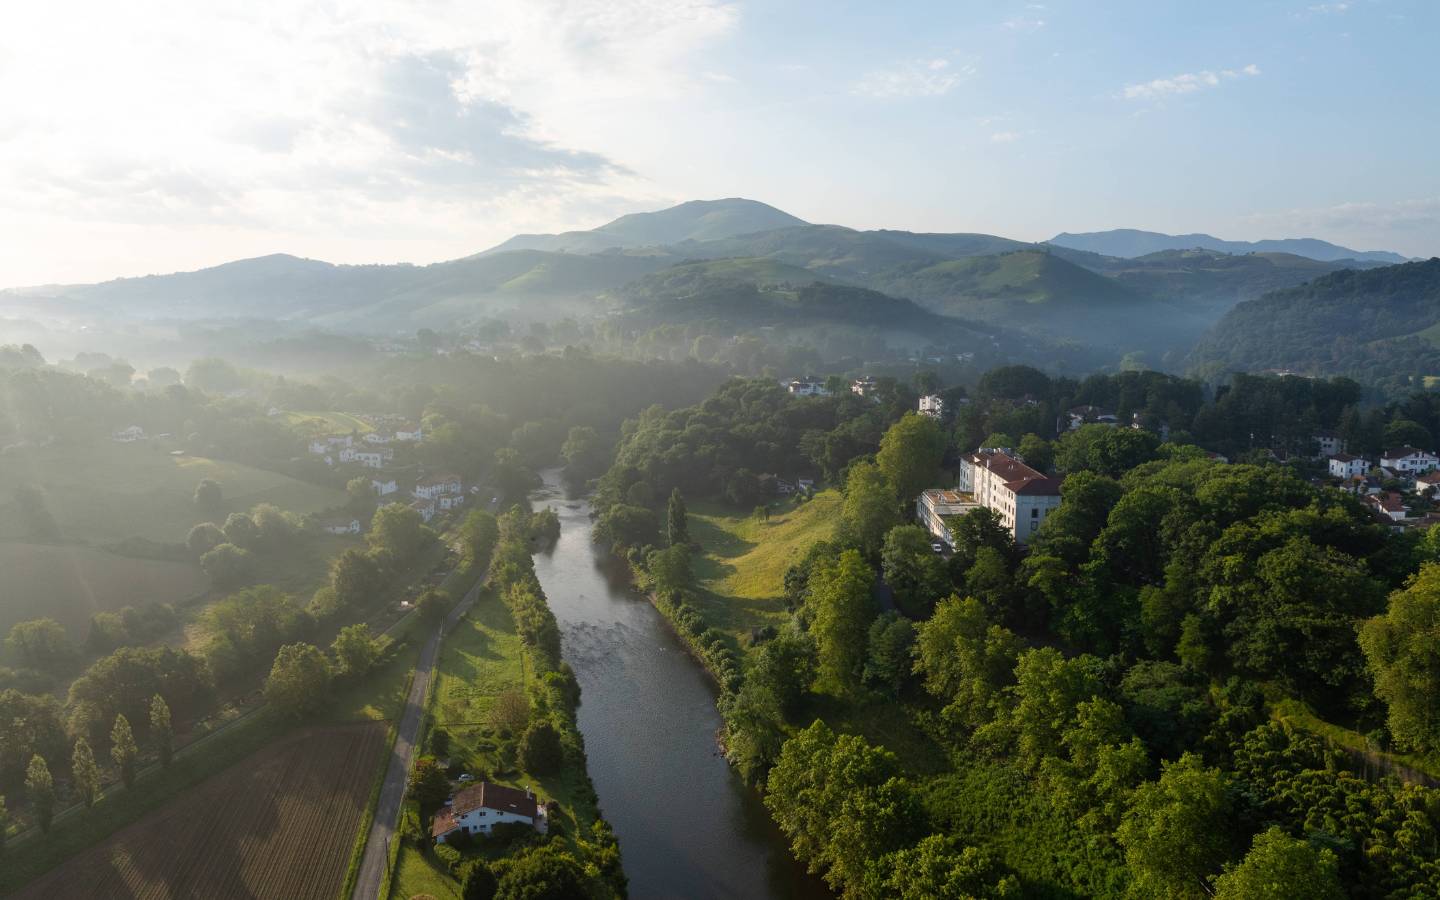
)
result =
(1113, 706)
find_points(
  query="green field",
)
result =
(741, 571)
(70, 584)
(108, 492)
(318, 423)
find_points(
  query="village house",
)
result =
(480, 807)
(1387, 503)
(1409, 460)
(425, 507)
(1343, 465)
(129, 435)
(932, 405)
(1089, 415)
(379, 437)
(372, 459)
(808, 386)
(436, 486)
(864, 387)
(410, 435)
(384, 485)
(936, 505)
(1328, 443)
(1425, 485)
(327, 443)
(1021, 496)
(341, 525)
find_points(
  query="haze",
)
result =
(158, 137)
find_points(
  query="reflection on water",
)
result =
(688, 827)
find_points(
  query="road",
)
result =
(387, 809)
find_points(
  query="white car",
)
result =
(467, 777)
(938, 547)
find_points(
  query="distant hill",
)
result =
(697, 220)
(1130, 243)
(1376, 324)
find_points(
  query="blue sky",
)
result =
(171, 135)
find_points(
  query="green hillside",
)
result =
(1375, 325)
(828, 249)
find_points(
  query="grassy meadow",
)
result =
(108, 491)
(318, 423)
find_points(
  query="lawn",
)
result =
(70, 584)
(107, 492)
(741, 569)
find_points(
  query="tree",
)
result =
(228, 565)
(432, 604)
(913, 572)
(540, 750)
(545, 873)
(842, 605)
(209, 498)
(887, 663)
(869, 510)
(584, 453)
(161, 730)
(910, 454)
(355, 579)
(1048, 691)
(1279, 867)
(1407, 433)
(1037, 452)
(841, 803)
(967, 660)
(623, 525)
(298, 680)
(940, 868)
(1175, 832)
(240, 530)
(1402, 651)
(4, 824)
(429, 786)
(477, 881)
(478, 534)
(123, 750)
(84, 774)
(677, 526)
(203, 538)
(40, 788)
(397, 534)
(41, 643)
(355, 650)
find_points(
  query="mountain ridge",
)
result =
(1129, 243)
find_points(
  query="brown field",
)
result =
(280, 824)
(70, 584)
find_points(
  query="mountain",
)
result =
(1129, 243)
(697, 220)
(1377, 324)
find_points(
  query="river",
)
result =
(687, 826)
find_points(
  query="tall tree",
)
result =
(913, 572)
(1176, 831)
(298, 680)
(1279, 867)
(123, 749)
(208, 496)
(869, 510)
(355, 649)
(677, 525)
(910, 454)
(84, 774)
(1402, 650)
(162, 732)
(843, 608)
(41, 643)
(40, 788)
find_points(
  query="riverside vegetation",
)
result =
(1191, 683)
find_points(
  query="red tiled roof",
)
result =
(1402, 452)
(496, 797)
(1032, 487)
(1018, 477)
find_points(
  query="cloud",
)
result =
(1023, 23)
(1186, 83)
(1005, 137)
(303, 118)
(1329, 8)
(915, 78)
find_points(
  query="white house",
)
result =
(340, 526)
(437, 486)
(932, 405)
(323, 445)
(1387, 504)
(410, 435)
(808, 386)
(1021, 496)
(936, 505)
(1409, 460)
(481, 807)
(1329, 443)
(1343, 465)
(384, 484)
(425, 507)
(373, 459)
(864, 387)
(379, 437)
(1090, 415)
(129, 435)
(1426, 484)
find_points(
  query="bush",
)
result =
(540, 750)
(448, 856)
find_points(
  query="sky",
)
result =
(157, 136)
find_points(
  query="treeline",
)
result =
(1105, 699)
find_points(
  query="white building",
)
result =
(1427, 484)
(438, 486)
(1409, 460)
(864, 387)
(426, 509)
(410, 435)
(808, 386)
(379, 437)
(481, 807)
(932, 405)
(384, 484)
(340, 526)
(1021, 496)
(1089, 415)
(936, 505)
(129, 435)
(323, 445)
(372, 459)
(1388, 504)
(1329, 443)
(1343, 465)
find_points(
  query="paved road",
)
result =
(387, 810)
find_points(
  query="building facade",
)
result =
(1001, 482)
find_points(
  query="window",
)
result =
(1034, 512)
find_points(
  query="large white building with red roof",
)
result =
(480, 807)
(1021, 496)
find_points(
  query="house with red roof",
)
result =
(1020, 495)
(481, 806)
